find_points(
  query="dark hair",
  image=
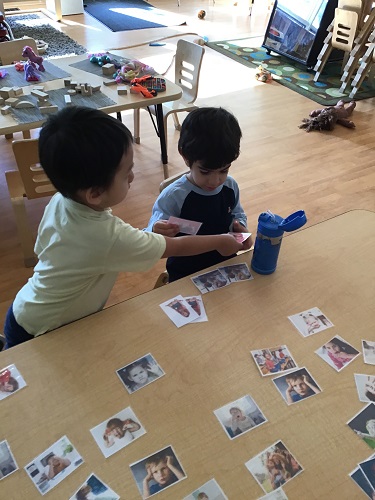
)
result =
(370, 395)
(211, 136)
(343, 346)
(82, 147)
(14, 383)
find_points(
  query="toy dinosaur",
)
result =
(326, 118)
(263, 75)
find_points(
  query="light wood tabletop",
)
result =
(72, 385)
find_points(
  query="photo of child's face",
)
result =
(332, 347)
(236, 413)
(161, 473)
(138, 375)
(299, 386)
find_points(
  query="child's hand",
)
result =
(169, 461)
(289, 388)
(228, 245)
(165, 228)
(238, 227)
(149, 474)
(154, 368)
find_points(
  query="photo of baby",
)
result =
(53, 465)
(240, 416)
(11, 381)
(140, 373)
(94, 489)
(210, 281)
(157, 472)
(310, 322)
(365, 387)
(179, 311)
(296, 386)
(208, 491)
(363, 424)
(337, 353)
(368, 348)
(274, 467)
(8, 464)
(273, 360)
(117, 432)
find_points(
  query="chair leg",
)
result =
(24, 233)
(136, 118)
(26, 134)
(176, 122)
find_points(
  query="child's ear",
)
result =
(93, 195)
(185, 160)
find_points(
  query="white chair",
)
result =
(188, 63)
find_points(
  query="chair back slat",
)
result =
(188, 63)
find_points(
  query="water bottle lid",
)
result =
(269, 224)
(293, 221)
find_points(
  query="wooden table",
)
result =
(72, 384)
(9, 125)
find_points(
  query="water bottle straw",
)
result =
(271, 214)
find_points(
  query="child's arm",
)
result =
(309, 384)
(288, 394)
(225, 244)
(131, 426)
(146, 487)
(174, 469)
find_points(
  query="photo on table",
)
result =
(11, 381)
(208, 491)
(196, 303)
(240, 416)
(179, 311)
(274, 467)
(273, 360)
(278, 494)
(310, 322)
(365, 387)
(361, 480)
(140, 373)
(52, 466)
(368, 469)
(368, 349)
(94, 488)
(8, 464)
(117, 432)
(157, 472)
(207, 282)
(296, 386)
(363, 424)
(236, 272)
(337, 353)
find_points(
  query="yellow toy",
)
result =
(263, 75)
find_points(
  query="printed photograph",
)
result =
(140, 373)
(117, 432)
(208, 491)
(210, 281)
(368, 469)
(278, 494)
(273, 360)
(274, 467)
(185, 226)
(53, 465)
(11, 381)
(196, 303)
(360, 479)
(296, 386)
(179, 311)
(94, 489)
(240, 416)
(337, 353)
(365, 387)
(236, 272)
(363, 424)
(368, 349)
(310, 322)
(157, 472)
(8, 465)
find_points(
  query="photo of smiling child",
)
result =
(11, 381)
(310, 322)
(273, 360)
(140, 373)
(296, 386)
(337, 353)
(157, 472)
(117, 432)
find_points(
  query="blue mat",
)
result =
(121, 15)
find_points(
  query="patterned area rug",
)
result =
(293, 75)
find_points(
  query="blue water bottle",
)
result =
(270, 233)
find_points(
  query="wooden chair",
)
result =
(163, 277)
(188, 63)
(30, 182)
(12, 50)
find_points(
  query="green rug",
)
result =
(293, 75)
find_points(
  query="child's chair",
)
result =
(163, 277)
(30, 182)
(188, 63)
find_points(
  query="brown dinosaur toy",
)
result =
(326, 118)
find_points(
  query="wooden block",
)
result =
(107, 83)
(73, 84)
(39, 87)
(44, 104)
(24, 105)
(6, 92)
(48, 109)
(5, 110)
(1, 101)
(122, 90)
(17, 91)
(108, 69)
(71, 92)
(11, 101)
(95, 88)
(39, 94)
(67, 82)
(68, 100)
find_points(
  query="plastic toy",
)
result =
(31, 72)
(201, 14)
(137, 87)
(326, 118)
(100, 59)
(263, 75)
(37, 61)
(131, 70)
(19, 65)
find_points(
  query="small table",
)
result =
(9, 125)
(72, 384)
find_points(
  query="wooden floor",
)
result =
(281, 167)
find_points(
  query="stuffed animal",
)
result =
(263, 75)
(326, 118)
